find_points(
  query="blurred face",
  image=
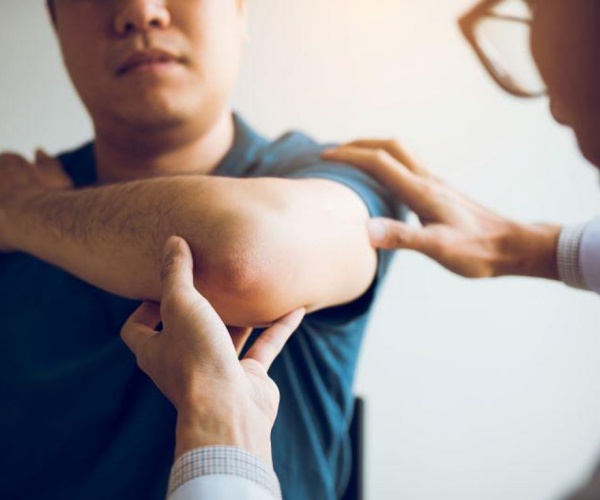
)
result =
(151, 63)
(566, 47)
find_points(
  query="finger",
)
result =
(270, 343)
(392, 147)
(52, 170)
(18, 167)
(44, 160)
(181, 302)
(385, 169)
(140, 327)
(9, 159)
(187, 314)
(239, 336)
(391, 234)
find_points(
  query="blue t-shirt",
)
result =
(79, 420)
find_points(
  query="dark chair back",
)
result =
(354, 490)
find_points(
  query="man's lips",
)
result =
(147, 58)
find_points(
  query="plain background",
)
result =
(475, 390)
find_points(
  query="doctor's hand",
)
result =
(220, 400)
(457, 232)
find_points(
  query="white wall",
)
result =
(475, 390)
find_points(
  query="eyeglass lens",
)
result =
(503, 38)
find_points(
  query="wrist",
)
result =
(9, 223)
(201, 425)
(529, 250)
(14, 223)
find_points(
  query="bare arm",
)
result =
(262, 247)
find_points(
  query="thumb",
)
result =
(392, 234)
(177, 267)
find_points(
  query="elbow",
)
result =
(236, 274)
(240, 270)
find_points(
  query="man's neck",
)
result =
(125, 157)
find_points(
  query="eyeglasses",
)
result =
(499, 33)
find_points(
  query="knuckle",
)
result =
(393, 144)
(255, 367)
(443, 249)
(396, 237)
(381, 156)
(427, 189)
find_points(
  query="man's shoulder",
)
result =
(292, 151)
(296, 155)
(292, 146)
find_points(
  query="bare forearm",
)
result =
(260, 245)
(109, 236)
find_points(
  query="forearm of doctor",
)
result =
(528, 250)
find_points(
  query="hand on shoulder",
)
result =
(457, 232)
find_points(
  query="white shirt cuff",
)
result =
(222, 461)
(221, 487)
(569, 268)
(589, 255)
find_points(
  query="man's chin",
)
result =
(151, 117)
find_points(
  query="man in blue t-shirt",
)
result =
(272, 228)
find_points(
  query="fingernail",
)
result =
(329, 151)
(376, 229)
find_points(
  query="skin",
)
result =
(159, 129)
(459, 233)
(155, 123)
(564, 41)
(170, 118)
(194, 363)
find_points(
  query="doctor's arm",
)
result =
(464, 236)
(226, 407)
